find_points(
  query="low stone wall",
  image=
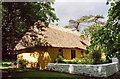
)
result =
(117, 61)
(101, 70)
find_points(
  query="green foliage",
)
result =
(91, 30)
(17, 17)
(9, 63)
(103, 60)
(86, 61)
(113, 28)
(6, 64)
(67, 61)
(93, 56)
(96, 56)
(22, 62)
(59, 59)
(107, 38)
(85, 58)
(78, 61)
(75, 60)
(85, 55)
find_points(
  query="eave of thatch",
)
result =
(50, 36)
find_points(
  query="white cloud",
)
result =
(73, 10)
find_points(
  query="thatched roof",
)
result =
(41, 35)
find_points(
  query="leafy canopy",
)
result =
(19, 16)
(108, 37)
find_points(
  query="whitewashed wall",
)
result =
(101, 70)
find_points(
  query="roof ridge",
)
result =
(64, 29)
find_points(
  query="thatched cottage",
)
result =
(42, 44)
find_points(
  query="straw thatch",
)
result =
(40, 35)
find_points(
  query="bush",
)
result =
(59, 59)
(86, 61)
(78, 61)
(96, 56)
(22, 62)
(6, 64)
(104, 60)
(67, 61)
(75, 61)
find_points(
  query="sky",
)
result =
(73, 9)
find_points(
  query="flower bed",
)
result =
(99, 70)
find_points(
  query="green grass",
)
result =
(12, 72)
(7, 62)
(16, 73)
(30, 73)
(37, 74)
(44, 74)
(6, 65)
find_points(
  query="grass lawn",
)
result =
(13, 73)
(37, 74)
(32, 73)
(5, 65)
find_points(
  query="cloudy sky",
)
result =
(73, 9)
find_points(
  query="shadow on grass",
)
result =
(37, 74)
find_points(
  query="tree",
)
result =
(85, 19)
(112, 28)
(18, 17)
(89, 31)
(108, 37)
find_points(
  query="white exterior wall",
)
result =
(101, 70)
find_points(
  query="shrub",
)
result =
(6, 64)
(22, 62)
(74, 60)
(67, 61)
(96, 56)
(104, 60)
(59, 59)
(86, 61)
(78, 61)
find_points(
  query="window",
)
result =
(82, 51)
(72, 54)
(60, 52)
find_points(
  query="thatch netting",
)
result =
(41, 35)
